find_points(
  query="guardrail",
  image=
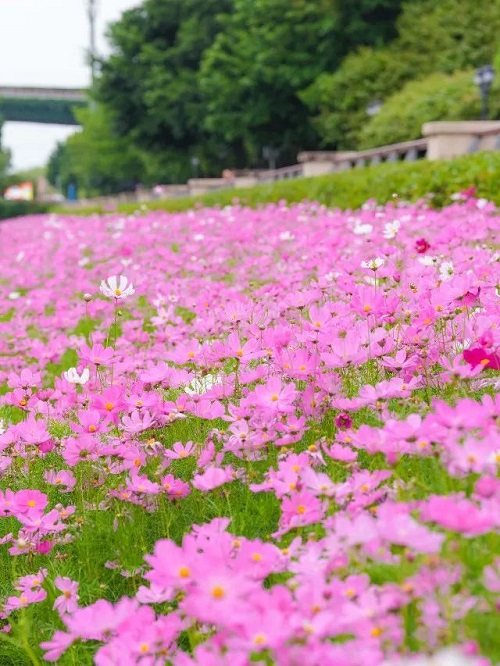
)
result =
(27, 92)
(285, 173)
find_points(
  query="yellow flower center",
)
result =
(108, 406)
(218, 592)
(118, 292)
(301, 509)
(184, 572)
(92, 428)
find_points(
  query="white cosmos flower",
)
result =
(14, 295)
(362, 229)
(445, 657)
(446, 271)
(117, 286)
(2, 426)
(202, 385)
(373, 264)
(391, 229)
(73, 377)
(427, 260)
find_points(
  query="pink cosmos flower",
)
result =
(33, 501)
(458, 515)
(274, 396)
(137, 422)
(68, 601)
(57, 645)
(212, 477)
(180, 450)
(64, 479)
(27, 379)
(97, 355)
(91, 422)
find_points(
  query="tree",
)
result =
(433, 36)
(267, 51)
(94, 160)
(4, 161)
(436, 97)
(150, 81)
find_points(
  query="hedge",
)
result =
(411, 181)
(10, 209)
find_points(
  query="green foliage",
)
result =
(434, 36)
(150, 81)
(9, 209)
(267, 51)
(220, 79)
(93, 159)
(437, 97)
(4, 160)
(411, 181)
(342, 98)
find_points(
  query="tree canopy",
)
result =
(222, 80)
(4, 161)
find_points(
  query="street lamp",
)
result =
(195, 163)
(374, 107)
(484, 78)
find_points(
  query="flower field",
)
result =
(233, 437)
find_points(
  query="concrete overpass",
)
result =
(41, 105)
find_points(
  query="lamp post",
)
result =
(483, 78)
(195, 163)
(270, 154)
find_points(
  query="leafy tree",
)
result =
(436, 97)
(93, 159)
(433, 36)
(365, 23)
(4, 161)
(267, 51)
(150, 81)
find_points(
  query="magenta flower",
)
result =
(97, 355)
(212, 477)
(68, 601)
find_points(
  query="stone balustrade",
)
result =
(441, 140)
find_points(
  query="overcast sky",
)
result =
(43, 43)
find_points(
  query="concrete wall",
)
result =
(451, 139)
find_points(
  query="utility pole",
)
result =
(92, 13)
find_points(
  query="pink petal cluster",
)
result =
(321, 386)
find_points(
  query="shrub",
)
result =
(437, 97)
(350, 189)
(9, 209)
